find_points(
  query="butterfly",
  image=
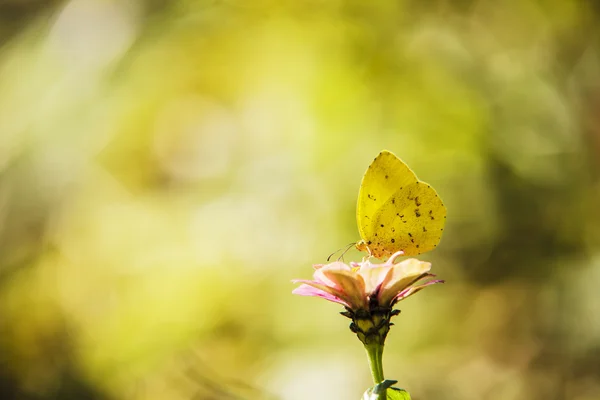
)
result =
(396, 211)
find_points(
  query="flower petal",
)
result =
(401, 276)
(393, 257)
(350, 285)
(307, 290)
(320, 275)
(320, 286)
(414, 289)
(373, 276)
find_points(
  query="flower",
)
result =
(358, 285)
(368, 291)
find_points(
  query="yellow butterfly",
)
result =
(396, 211)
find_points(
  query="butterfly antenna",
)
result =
(335, 252)
(348, 247)
(345, 250)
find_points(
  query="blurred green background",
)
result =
(167, 167)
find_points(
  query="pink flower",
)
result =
(363, 286)
(368, 292)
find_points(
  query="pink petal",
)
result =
(401, 276)
(320, 286)
(306, 290)
(393, 257)
(350, 285)
(321, 276)
(373, 276)
(414, 289)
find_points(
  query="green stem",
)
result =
(375, 354)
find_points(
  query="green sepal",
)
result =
(383, 386)
(397, 394)
(392, 393)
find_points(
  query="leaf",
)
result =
(392, 393)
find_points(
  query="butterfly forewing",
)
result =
(384, 177)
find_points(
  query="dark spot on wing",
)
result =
(424, 230)
(412, 240)
(393, 240)
(417, 213)
(369, 242)
(386, 177)
(417, 246)
(382, 225)
(393, 201)
(409, 234)
(417, 202)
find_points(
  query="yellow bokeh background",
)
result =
(167, 167)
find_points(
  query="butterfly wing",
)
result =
(396, 211)
(412, 221)
(383, 179)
